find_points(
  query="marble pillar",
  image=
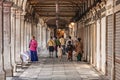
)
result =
(22, 32)
(30, 35)
(7, 38)
(44, 35)
(27, 36)
(35, 30)
(40, 35)
(18, 38)
(38, 38)
(2, 73)
(32, 30)
(25, 28)
(13, 32)
(48, 37)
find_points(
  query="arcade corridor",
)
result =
(96, 22)
(53, 69)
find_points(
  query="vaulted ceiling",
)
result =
(67, 9)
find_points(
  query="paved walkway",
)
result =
(53, 69)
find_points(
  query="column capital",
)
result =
(1, 3)
(7, 3)
(13, 8)
(6, 6)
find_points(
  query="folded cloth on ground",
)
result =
(25, 56)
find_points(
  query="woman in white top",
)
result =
(59, 53)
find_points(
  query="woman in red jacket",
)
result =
(33, 49)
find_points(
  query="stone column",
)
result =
(35, 30)
(30, 30)
(22, 33)
(7, 40)
(26, 32)
(2, 73)
(32, 26)
(40, 35)
(25, 36)
(48, 37)
(45, 35)
(48, 34)
(38, 38)
(18, 45)
(13, 32)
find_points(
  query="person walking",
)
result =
(69, 39)
(59, 53)
(69, 51)
(33, 49)
(62, 41)
(67, 43)
(51, 47)
(57, 43)
(79, 49)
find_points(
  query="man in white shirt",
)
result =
(69, 40)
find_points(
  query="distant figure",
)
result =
(69, 51)
(69, 40)
(79, 49)
(57, 43)
(62, 41)
(33, 49)
(59, 53)
(67, 43)
(51, 47)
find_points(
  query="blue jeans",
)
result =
(63, 50)
(34, 56)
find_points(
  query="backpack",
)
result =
(57, 42)
(69, 47)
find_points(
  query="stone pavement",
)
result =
(53, 69)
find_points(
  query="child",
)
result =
(69, 51)
(59, 53)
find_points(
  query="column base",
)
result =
(14, 68)
(9, 72)
(2, 75)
